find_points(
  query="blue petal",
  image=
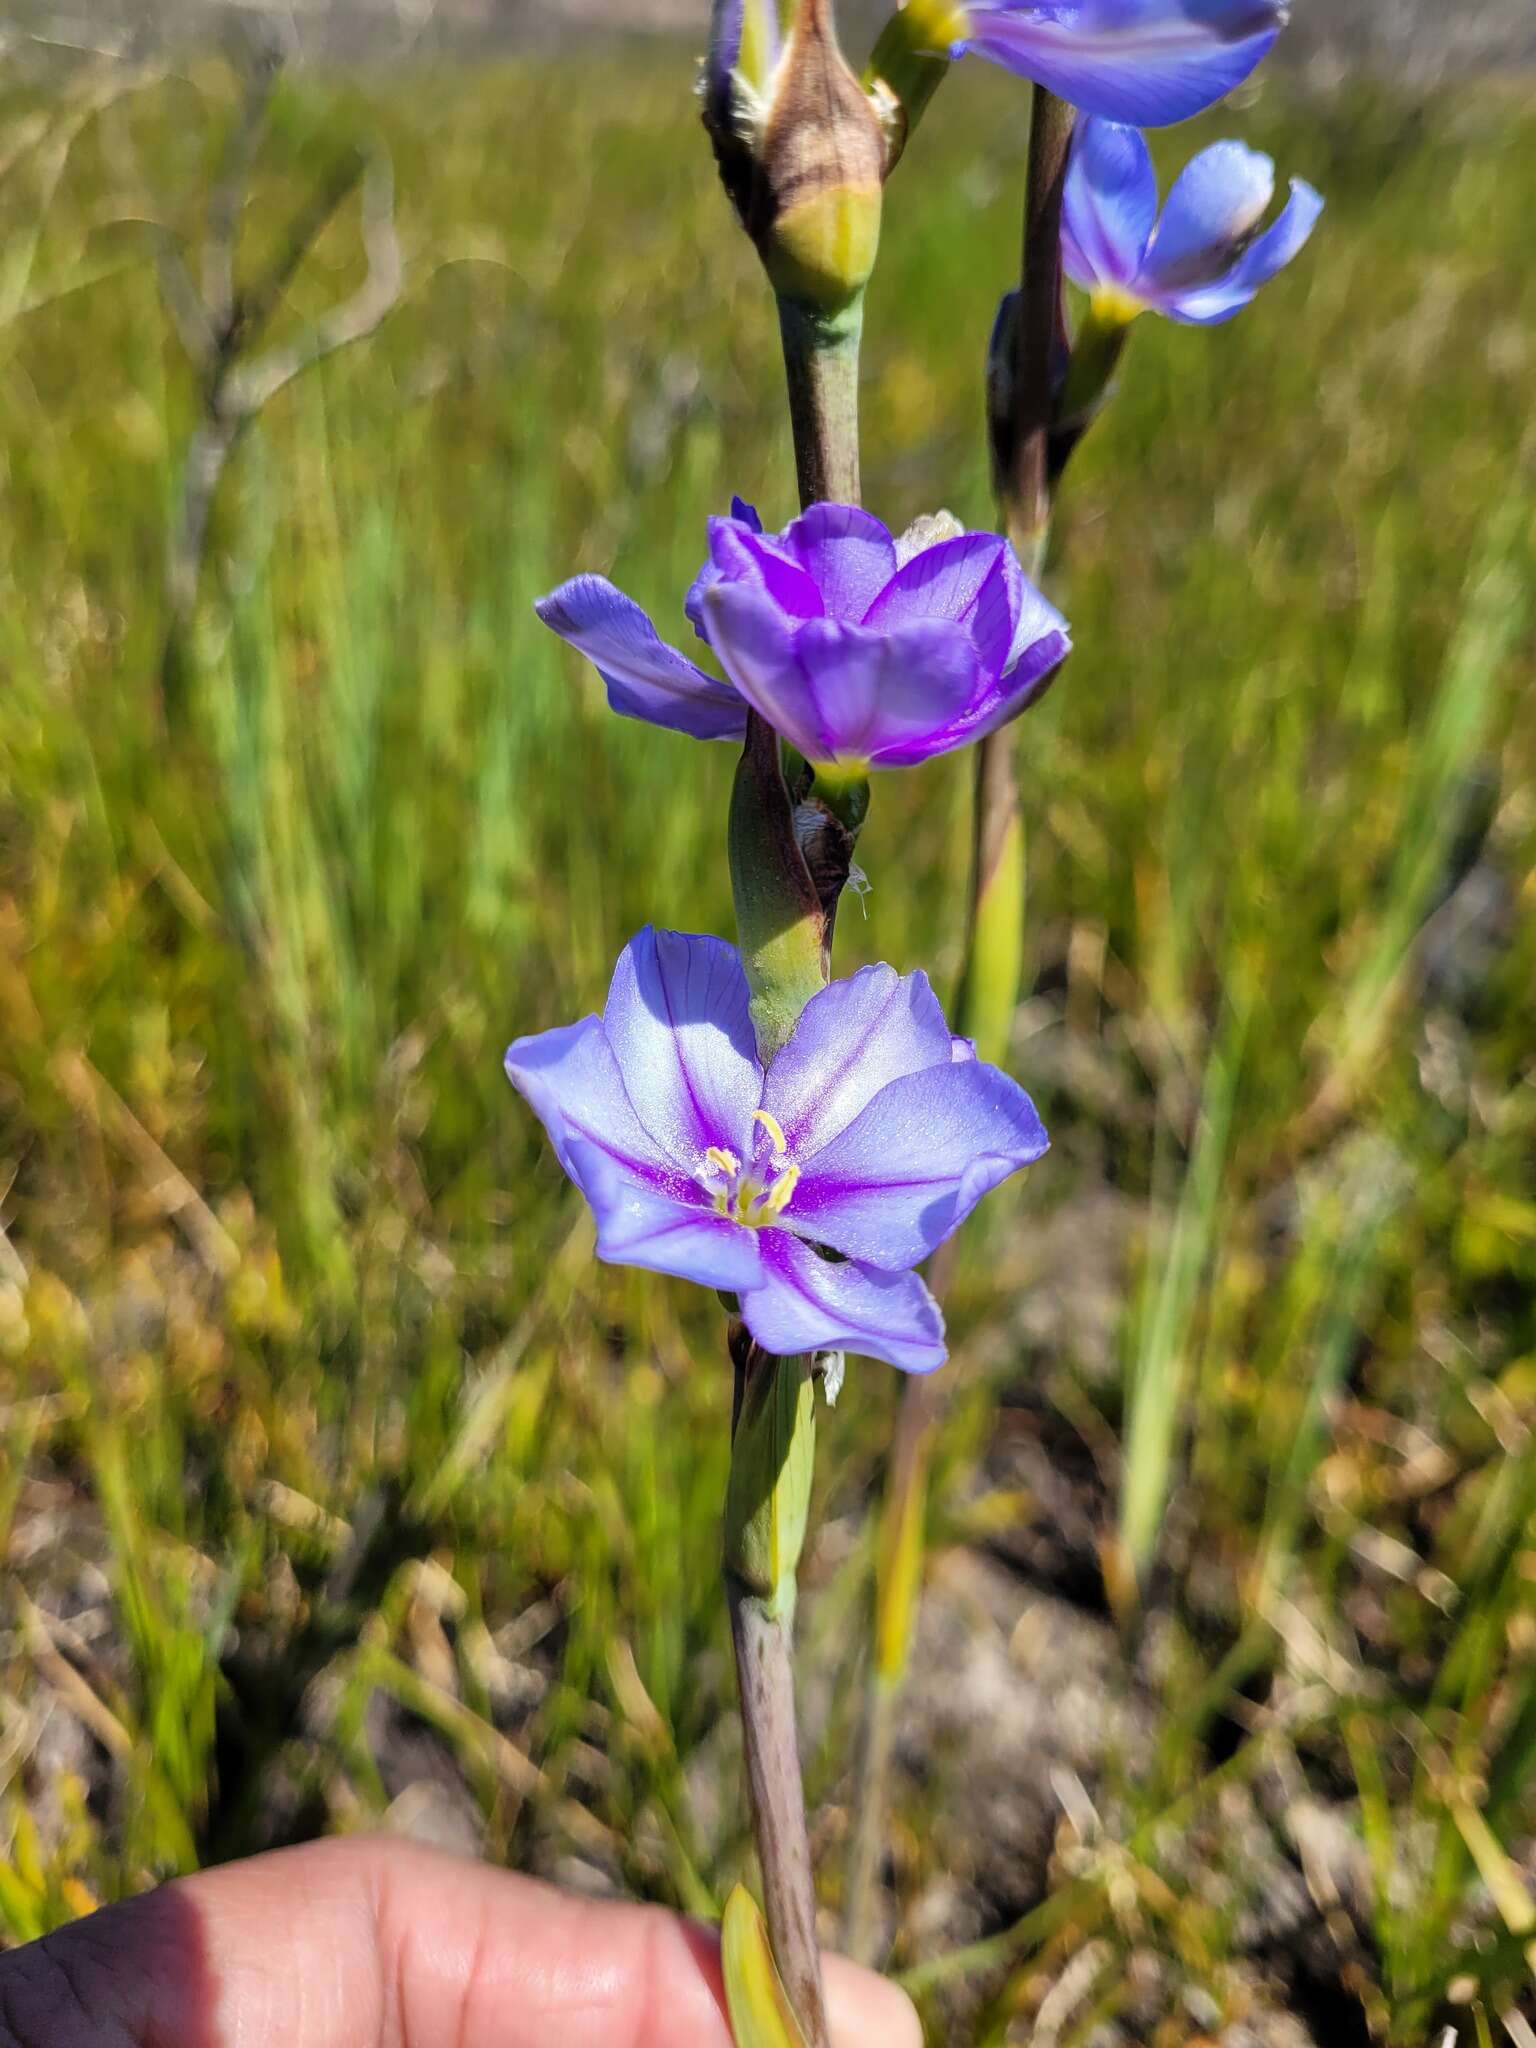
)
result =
(572, 1082)
(848, 554)
(639, 1226)
(912, 1165)
(844, 693)
(852, 1040)
(745, 516)
(965, 580)
(1217, 201)
(807, 1303)
(1041, 643)
(678, 1022)
(1110, 204)
(761, 561)
(1042, 639)
(1023, 685)
(1259, 263)
(645, 678)
(1266, 257)
(1149, 62)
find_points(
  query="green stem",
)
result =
(821, 367)
(1097, 347)
(993, 967)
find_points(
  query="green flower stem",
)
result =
(821, 366)
(994, 937)
(784, 928)
(991, 973)
(1097, 347)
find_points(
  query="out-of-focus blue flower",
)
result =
(810, 1191)
(1148, 61)
(1201, 261)
(860, 653)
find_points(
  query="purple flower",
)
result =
(1148, 61)
(858, 652)
(809, 1191)
(1199, 263)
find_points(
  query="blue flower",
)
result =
(1148, 61)
(810, 1191)
(1201, 261)
(860, 651)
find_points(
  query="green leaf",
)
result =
(761, 2014)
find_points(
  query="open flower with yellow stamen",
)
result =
(810, 1190)
(1202, 257)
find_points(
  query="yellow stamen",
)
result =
(774, 1129)
(776, 1201)
(1113, 306)
(725, 1161)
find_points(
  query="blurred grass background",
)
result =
(338, 1483)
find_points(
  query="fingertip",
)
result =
(866, 2011)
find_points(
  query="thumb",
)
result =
(380, 1944)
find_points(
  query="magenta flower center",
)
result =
(755, 1192)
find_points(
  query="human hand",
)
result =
(376, 1943)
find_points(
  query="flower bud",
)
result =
(801, 148)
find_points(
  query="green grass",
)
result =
(352, 1418)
